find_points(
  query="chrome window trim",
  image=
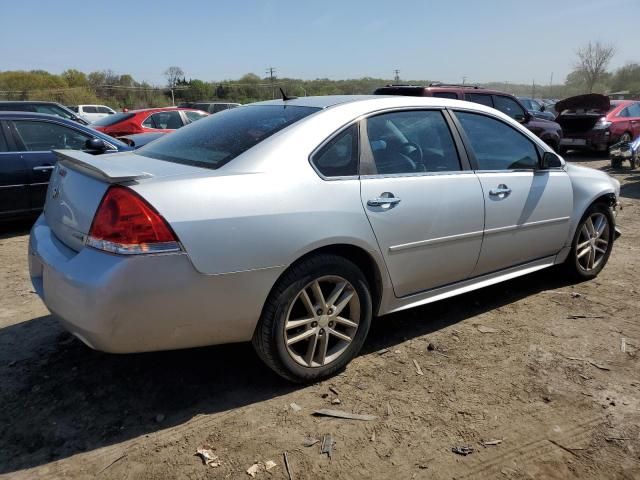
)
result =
(418, 174)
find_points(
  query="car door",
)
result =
(527, 210)
(14, 177)
(423, 202)
(36, 139)
(634, 120)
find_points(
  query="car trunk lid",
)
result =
(80, 181)
(580, 114)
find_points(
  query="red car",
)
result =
(594, 122)
(147, 120)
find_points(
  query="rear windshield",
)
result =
(218, 139)
(112, 119)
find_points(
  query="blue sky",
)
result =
(501, 40)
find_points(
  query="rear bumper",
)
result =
(125, 304)
(592, 139)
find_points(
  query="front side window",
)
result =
(43, 136)
(496, 145)
(481, 98)
(412, 142)
(104, 110)
(164, 120)
(218, 139)
(4, 147)
(508, 106)
(339, 157)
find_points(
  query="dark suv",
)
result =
(550, 132)
(50, 108)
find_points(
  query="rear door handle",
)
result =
(501, 191)
(43, 168)
(381, 201)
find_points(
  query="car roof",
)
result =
(24, 102)
(42, 116)
(320, 101)
(159, 109)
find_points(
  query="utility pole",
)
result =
(396, 77)
(464, 79)
(271, 72)
(551, 86)
(533, 89)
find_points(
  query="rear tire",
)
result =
(616, 163)
(315, 320)
(592, 243)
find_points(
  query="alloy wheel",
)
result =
(322, 321)
(593, 241)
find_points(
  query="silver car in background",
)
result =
(293, 222)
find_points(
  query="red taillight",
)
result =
(125, 223)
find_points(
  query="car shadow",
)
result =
(60, 398)
(14, 228)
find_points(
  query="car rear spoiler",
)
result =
(97, 167)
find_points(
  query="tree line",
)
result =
(73, 87)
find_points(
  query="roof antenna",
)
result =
(285, 97)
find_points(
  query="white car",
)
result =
(91, 113)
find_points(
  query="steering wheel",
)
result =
(416, 154)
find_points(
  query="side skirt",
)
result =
(399, 304)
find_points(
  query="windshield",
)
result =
(218, 139)
(112, 119)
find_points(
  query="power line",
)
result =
(396, 77)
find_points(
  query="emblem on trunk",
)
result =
(56, 193)
(62, 172)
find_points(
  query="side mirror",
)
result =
(551, 160)
(523, 117)
(96, 144)
(542, 107)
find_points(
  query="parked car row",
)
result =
(591, 121)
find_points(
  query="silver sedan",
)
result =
(293, 222)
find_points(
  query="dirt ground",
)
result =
(547, 367)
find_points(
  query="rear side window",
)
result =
(634, 110)
(508, 106)
(218, 139)
(193, 116)
(412, 142)
(496, 145)
(481, 98)
(89, 109)
(112, 119)
(53, 110)
(339, 157)
(451, 95)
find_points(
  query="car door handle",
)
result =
(501, 190)
(381, 201)
(43, 168)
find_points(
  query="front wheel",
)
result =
(315, 320)
(592, 243)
